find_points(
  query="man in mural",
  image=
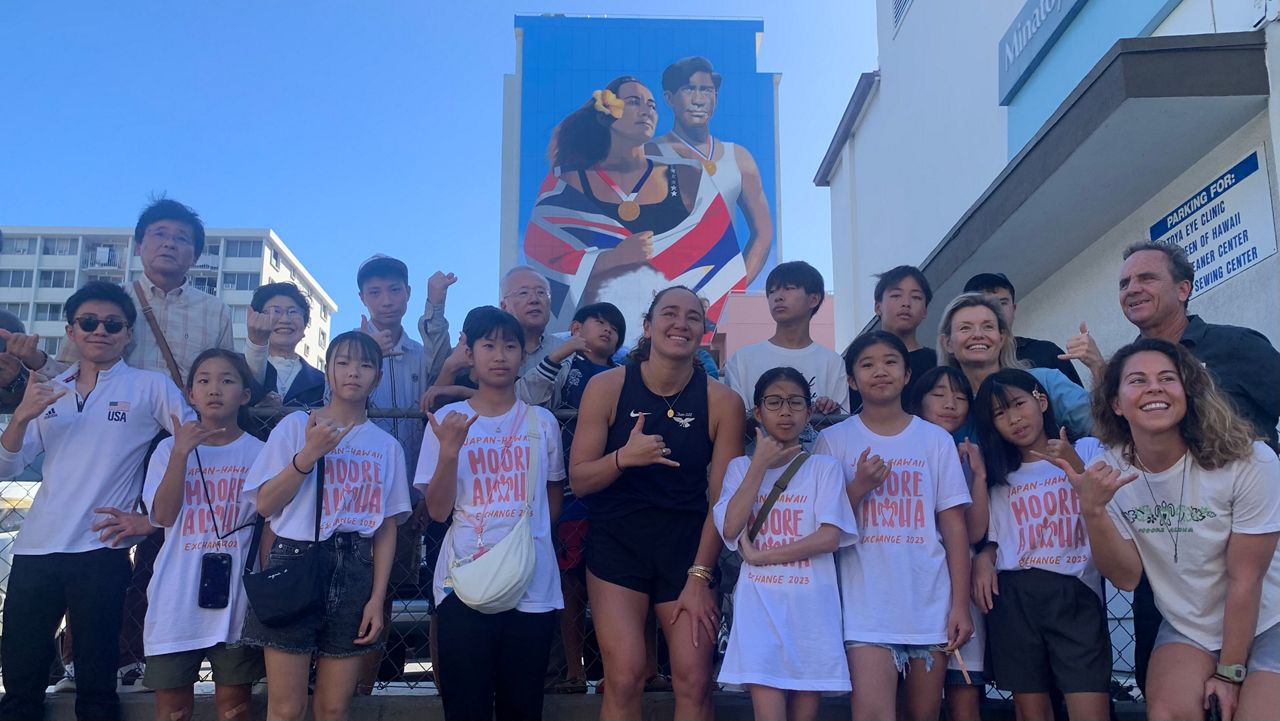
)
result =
(691, 87)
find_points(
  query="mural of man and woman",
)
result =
(623, 212)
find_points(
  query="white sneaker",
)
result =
(66, 684)
(129, 679)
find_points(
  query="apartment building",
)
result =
(41, 266)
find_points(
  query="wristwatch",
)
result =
(1232, 673)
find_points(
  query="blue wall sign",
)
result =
(1036, 28)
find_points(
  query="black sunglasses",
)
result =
(89, 324)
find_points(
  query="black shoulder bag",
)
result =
(293, 591)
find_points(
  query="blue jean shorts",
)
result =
(902, 653)
(348, 564)
(1264, 654)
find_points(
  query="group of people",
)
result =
(969, 507)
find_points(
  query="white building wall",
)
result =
(1088, 288)
(933, 137)
(930, 141)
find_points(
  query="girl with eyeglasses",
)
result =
(194, 488)
(1187, 494)
(1035, 578)
(905, 584)
(783, 645)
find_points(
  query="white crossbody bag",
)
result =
(497, 580)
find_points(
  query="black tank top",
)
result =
(656, 217)
(686, 432)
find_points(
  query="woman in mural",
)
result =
(611, 224)
(691, 88)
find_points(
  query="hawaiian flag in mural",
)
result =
(567, 232)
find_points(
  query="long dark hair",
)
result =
(582, 139)
(1000, 456)
(1213, 431)
(241, 368)
(644, 345)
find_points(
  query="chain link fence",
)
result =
(405, 665)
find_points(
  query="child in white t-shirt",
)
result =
(365, 494)
(942, 396)
(1035, 578)
(487, 462)
(785, 644)
(905, 584)
(194, 488)
(795, 292)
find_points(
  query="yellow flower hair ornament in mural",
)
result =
(608, 103)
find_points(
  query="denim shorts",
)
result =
(1264, 654)
(903, 653)
(348, 568)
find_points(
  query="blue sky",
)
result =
(348, 127)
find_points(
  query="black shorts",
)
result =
(1046, 631)
(649, 551)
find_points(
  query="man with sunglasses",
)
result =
(169, 238)
(94, 422)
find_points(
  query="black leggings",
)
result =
(492, 663)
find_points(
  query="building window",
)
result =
(100, 278)
(50, 345)
(48, 311)
(212, 249)
(244, 249)
(100, 256)
(57, 279)
(275, 259)
(17, 246)
(16, 278)
(19, 310)
(208, 284)
(240, 314)
(324, 339)
(239, 281)
(306, 350)
(61, 246)
(900, 8)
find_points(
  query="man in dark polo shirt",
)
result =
(1155, 283)
(1039, 353)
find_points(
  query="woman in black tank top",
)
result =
(599, 151)
(653, 441)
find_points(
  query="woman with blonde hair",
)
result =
(1186, 494)
(974, 337)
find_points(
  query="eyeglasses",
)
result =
(89, 324)
(795, 403)
(287, 312)
(529, 293)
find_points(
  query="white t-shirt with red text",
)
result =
(492, 469)
(784, 616)
(175, 622)
(895, 581)
(365, 481)
(1036, 521)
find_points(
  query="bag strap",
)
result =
(159, 334)
(251, 562)
(778, 487)
(319, 495)
(535, 457)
